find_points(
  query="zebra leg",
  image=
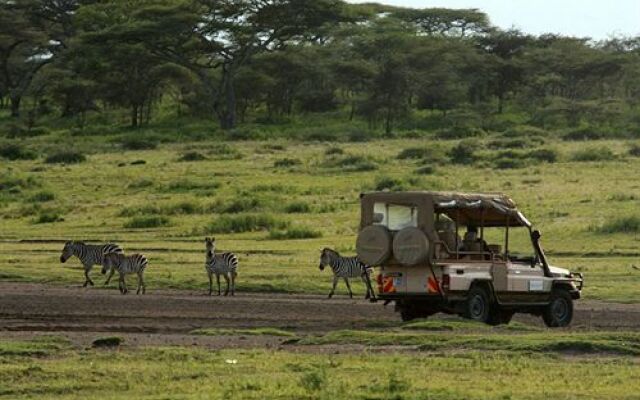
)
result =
(218, 280)
(346, 280)
(371, 295)
(226, 278)
(87, 280)
(210, 282)
(233, 283)
(333, 288)
(111, 271)
(139, 283)
(144, 286)
(123, 284)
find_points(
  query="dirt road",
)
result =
(26, 309)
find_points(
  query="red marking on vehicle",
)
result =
(432, 285)
(387, 285)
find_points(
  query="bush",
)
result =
(584, 133)
(621, 225)
(333, 151)
(524, 131)
(146, 222)
(414, 153)
(359, 136)
(16, 152)
(41, 197)
(594, 154)
(388, 183)
(245, 223)
(463, 153)
(192, 156)
(352, 163)
(516, 143)
(426, 170)
(543, 155)
(634, 150)
(13, 184)
(47, 217)
(139, 143)
(509, 163)
(138, 162)
(224, 151)
(109, 341)
(66, 157)
(286, 162)
(298, 207)
(321, 137)
(295, 233)
(461, 132)
(239, 205)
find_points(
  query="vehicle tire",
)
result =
(559, 312)
(478, 306)
(499, 317)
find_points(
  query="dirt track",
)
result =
(168, 316)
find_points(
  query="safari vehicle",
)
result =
(426, 267)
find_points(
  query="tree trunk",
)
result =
(227, 113)
(134, 115)
(15, 105)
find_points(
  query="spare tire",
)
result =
(410, 246)
(374, 245)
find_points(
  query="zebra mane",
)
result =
(331, 252)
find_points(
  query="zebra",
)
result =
(89, 255)
(133, 264)
(346, 267)
(225, 264)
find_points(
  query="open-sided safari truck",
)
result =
(426, 267)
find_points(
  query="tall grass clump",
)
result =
(387, 183)
(224, 151)
(65, 157)
(634, 150)
(350, 163)
(43, 196)
(245, 223)
(296, 232)
(287, 163)
(48, 217)
(139, 143)
(298, 207)
(594, 154)
(192, 156)
(463, 153)
(620, 225)
(147, 222)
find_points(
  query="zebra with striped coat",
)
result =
(126, 265)
(346, 267)
(89, 255)
(225, 264)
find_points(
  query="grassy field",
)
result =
(276, 204)
(49, 367)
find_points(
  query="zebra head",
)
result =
(211, 247)
(326, 257)
(110, 260)
(67, 251)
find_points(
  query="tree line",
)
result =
(236, 61)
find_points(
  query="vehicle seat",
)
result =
(446, 233)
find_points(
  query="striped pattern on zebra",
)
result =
(126, 265)
(225, 264)
(346, 267)
(89, 255)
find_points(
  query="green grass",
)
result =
(241, 200)
(237, 332)
(192, 373)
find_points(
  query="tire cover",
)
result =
(410, 246)
(374, 245)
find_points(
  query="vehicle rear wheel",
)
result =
(559, 312)
(478, 307)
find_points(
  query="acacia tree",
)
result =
(206, 35)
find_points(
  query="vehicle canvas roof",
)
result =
(479, 209)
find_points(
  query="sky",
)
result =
(597, 19)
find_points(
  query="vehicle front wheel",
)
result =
(478, 307)
(559, 312)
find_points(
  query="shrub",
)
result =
(414, 153)
(333, 151)
(463, 153)
(321, 137)
(509, 163)
(298, 207)
(594, 154)
(139, 143)
(47, 217)
(516, 143)
(583, 133)
(461, 132)
(147, 222)
(634, 150)
(192, 156)
(425, 170)
(388, 183)
(16, 152)
(41, 197)
(527, 131)
(13, 184)
(224, 151)
(543, 155)
(184, 208)
(620, 225)
(295, 233)
(353, 163)
(286, 162)
(241, 205)
(359, 136)
(245, 223)
(138, 162)
(66, 157)
(109, 341)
